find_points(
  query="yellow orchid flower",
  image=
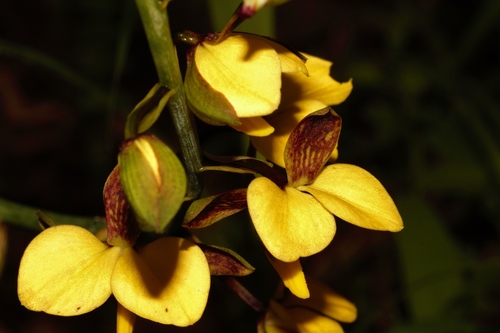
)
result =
(301, 95)
(318, 314)
(294, 216)
(296, 219)
(238, 80)
(68, 271)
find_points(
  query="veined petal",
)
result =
(283, 121)
(66, 271)
(310, 145)
(166, 282)
(292, 275)
(318, 85)
(291, 224)
(325, 301)
(355, 196)
(247, 71)
(254, 126)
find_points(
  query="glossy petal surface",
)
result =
(247, 71)
(356, 196)
(166, 282)
(66, 271)
(291, 224)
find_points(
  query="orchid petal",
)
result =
(254, 126)
(66, 271)
(247, 71)
(290, 62)
(125, 320)
(292, 275)
(325, 301)
(291, 224)
(277, 320)
(318, 85)
(310, 145)
(310, 322)
(166, 282)
(355, 196)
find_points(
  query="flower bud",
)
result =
(153, 179)
(250, 7)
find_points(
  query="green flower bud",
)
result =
(153, 179)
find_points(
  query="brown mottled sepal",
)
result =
(310, 145)
(224, 261)
(122, 228)
(207, 211)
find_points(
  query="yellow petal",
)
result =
(283, 121)
(355, 196)
(325, 301)
(318, 85)
(66, 271)
(125, 320)
(255, 126)
(310, 322)
(247, 71)
(290, 62)
(277, 320)
(166, 282)
(292, 275)
(291, 224)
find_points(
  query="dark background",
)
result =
(423, 117)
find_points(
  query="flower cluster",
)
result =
(282, 100)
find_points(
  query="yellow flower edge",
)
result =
(356, 196)
(66, 271)
(292, 276)
(319, 85)
(325, 301)
(291, 224)
(167, 281)
(246, 71)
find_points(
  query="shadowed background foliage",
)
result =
(424, 118)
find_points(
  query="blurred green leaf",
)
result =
(430, 261)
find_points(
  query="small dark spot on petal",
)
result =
(77, 308)
(166, 309)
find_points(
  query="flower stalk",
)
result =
(156, 25)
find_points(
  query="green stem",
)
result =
(155, 21)
(26, 216)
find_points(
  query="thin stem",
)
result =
(156, 25)
(244, 294)
(26, 216)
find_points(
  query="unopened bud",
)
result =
(153, 179)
